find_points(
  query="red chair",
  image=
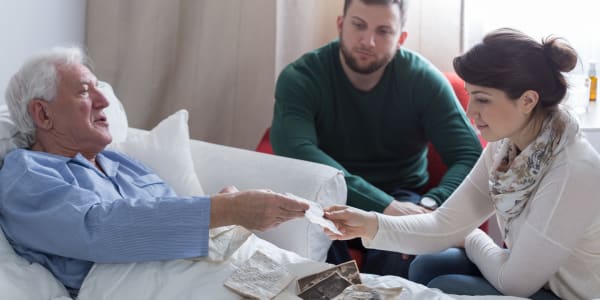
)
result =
(264, 145)
(435, 166)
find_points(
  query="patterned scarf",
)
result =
(514, 177)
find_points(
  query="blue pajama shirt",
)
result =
(67, 215)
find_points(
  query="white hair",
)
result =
(38, 78)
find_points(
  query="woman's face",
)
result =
(496, 116)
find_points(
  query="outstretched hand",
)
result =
(254, 209)
(352, 222)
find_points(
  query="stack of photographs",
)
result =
(329, 283)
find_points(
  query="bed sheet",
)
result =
(204, 277)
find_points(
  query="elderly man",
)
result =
(66, 202)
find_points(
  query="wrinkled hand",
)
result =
(254, 209)
(401, 208)
(352, 222)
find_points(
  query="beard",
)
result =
(353, 64)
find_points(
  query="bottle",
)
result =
(593, 81)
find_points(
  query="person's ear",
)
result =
(528, 101)
(38, 110)
(340, 23)
(402, 38)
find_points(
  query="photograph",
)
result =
(348, 270)
(327, 288)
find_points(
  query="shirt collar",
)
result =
(108, 166)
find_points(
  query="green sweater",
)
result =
(377, 138)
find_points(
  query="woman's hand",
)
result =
(352, 222)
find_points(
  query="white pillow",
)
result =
(166, 150)
(21, 280)
(8, 133)
(115, 113)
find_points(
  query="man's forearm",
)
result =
(221, 213)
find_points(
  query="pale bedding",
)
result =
(181, 279)
(187, 279)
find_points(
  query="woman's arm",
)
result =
(464, 211)
(548, 232)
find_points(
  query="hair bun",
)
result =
(561, 54)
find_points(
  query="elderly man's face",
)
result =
(79, 123)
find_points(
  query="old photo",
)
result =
(348, 270)
(327, 288)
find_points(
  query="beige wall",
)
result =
(214, 58)
(219, 59)
(434, 30)
(303, 25)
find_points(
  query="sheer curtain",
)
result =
(575, 20)
(216, 58)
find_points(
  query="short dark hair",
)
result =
(513, 62)
(401, 5)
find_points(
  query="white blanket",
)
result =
(204, 277)
(190, 279)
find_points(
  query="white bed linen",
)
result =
(20, 279)
(187, 279)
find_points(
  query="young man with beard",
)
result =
(368, 107)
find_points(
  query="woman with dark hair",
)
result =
(537, 175)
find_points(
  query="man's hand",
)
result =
(254, 209)
(352, 222)
(402, 208)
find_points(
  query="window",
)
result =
(576, 20)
